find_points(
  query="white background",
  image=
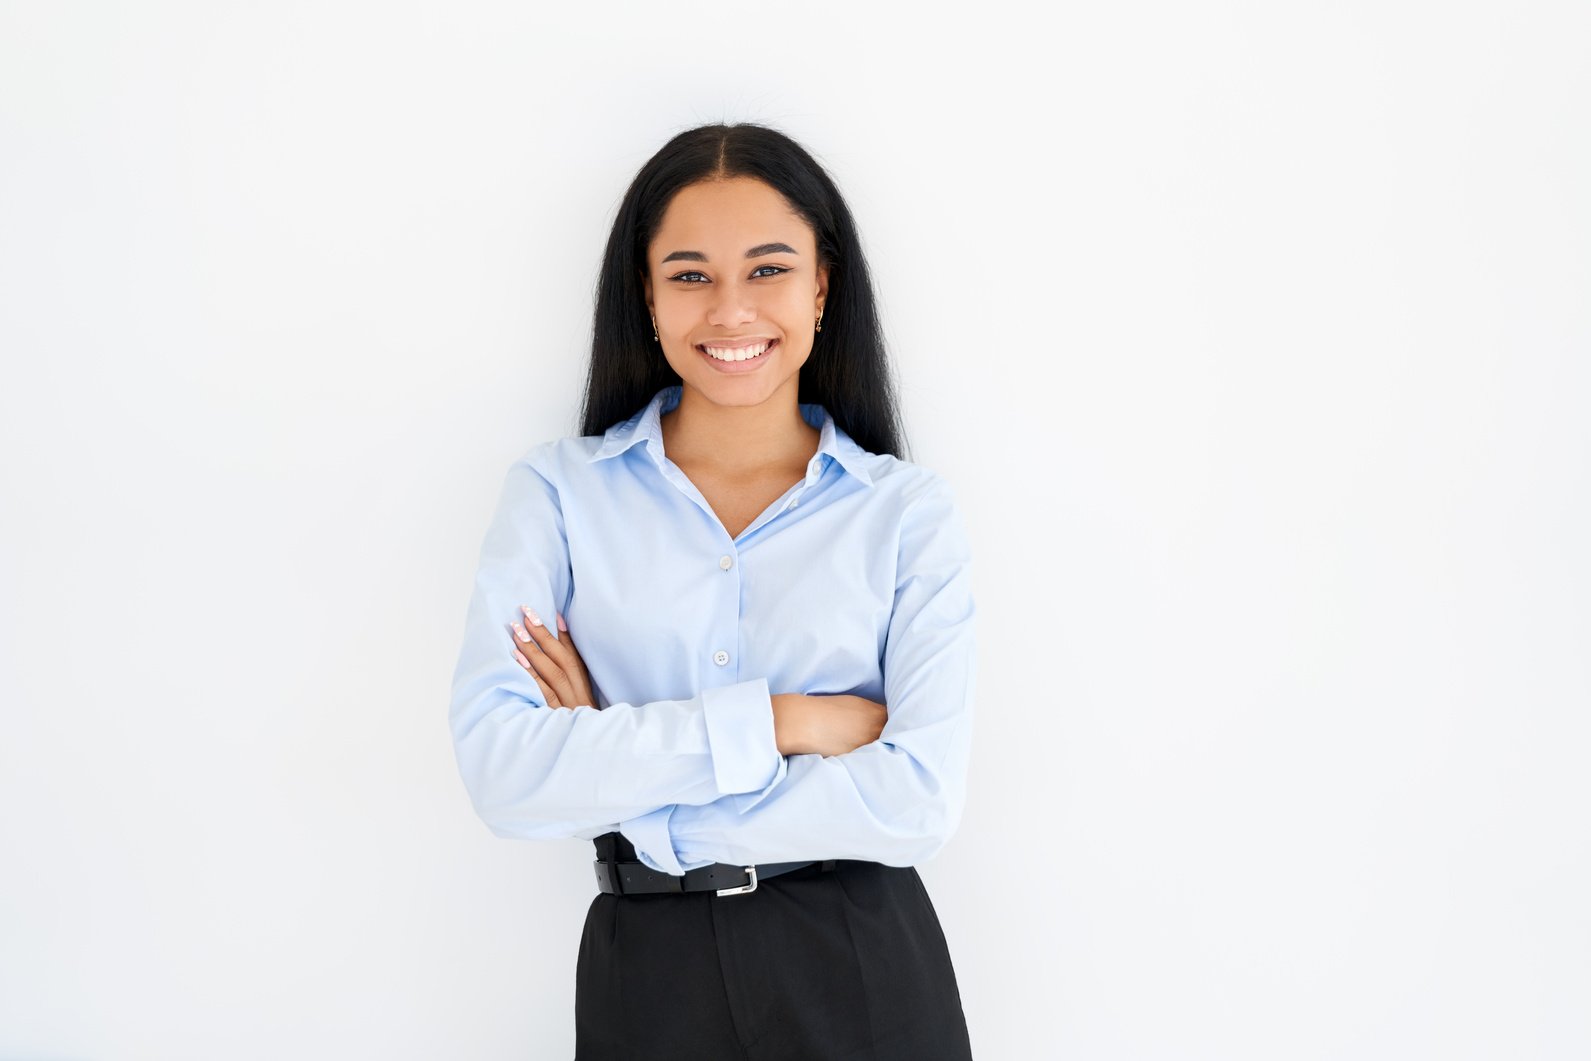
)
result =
(1253, 337)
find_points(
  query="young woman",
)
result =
(756, 692)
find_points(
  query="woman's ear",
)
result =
(646, 287)
(823, 285)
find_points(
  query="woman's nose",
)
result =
(732, 304)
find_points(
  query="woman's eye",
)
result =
(682, 277)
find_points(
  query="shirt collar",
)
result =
(647, 426)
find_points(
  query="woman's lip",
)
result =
(747, 365)
(739, 344)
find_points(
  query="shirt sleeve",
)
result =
(897, 800)
(537, 772)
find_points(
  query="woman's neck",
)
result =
(738, 441)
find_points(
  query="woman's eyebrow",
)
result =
(757, 251)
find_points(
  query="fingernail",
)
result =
(523, 662)
(561, 624)
(535, 620)
(519, 631)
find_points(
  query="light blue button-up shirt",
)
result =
(857, 580)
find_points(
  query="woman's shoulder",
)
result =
(894, 477)
(923, 505)
(905, 480)
(561, 458)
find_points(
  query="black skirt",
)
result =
(845, 965)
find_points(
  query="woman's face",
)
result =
(734, 269)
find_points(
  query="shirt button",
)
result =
(720, 657)
(725, 562)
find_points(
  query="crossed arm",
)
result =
(802, 724)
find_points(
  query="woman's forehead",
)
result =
(733, 216)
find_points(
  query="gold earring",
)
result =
(820, 321)
(655, 339)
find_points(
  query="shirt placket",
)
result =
(725, 655)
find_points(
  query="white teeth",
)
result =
(724, 354)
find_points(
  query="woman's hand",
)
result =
(552, 661)
(826, 725)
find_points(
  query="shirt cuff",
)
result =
(648, 834)
(740, 736)
(744, 801)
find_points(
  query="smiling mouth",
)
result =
(744, 353)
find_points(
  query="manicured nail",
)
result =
(523, 662)
(535, 620)
(521, 633)
(561, 624)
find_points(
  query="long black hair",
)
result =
(847, 372)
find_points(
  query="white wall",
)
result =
(1254, 337)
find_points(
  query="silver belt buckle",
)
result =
(744, 888)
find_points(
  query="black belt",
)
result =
(619, 872)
